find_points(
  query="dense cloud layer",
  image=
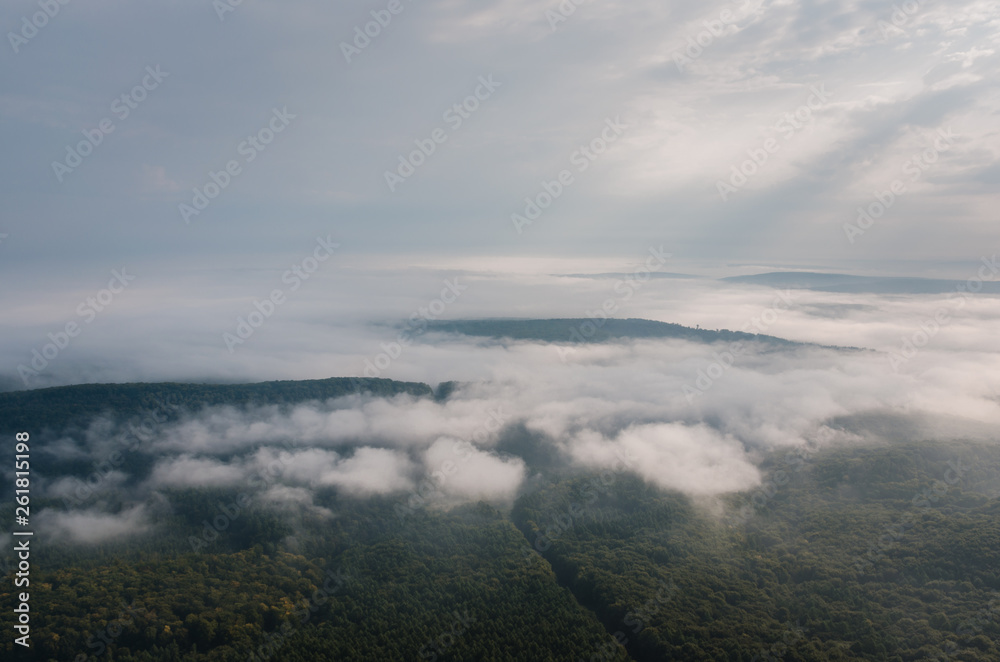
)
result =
(343, 318)
(682, 416)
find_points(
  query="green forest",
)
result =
(852, 553)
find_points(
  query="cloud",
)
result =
(71, 488)
(467, 473)
(696, 418)
(688, 127)
(370, 471)
(187, 471)
(695, 460)
(366, 472)
(293, 501)
(402, 421)
(92, 527)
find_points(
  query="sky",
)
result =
(693, 89)
(178, 159)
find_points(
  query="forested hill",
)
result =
(600, 330)
(882, 554)
(65, 405)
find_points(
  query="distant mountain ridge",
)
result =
(616, 274)
(847, 283)
(65, 405)
(596, 331)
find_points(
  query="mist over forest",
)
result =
(564, 331)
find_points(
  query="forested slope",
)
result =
(864, 552)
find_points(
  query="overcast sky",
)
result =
(191, 142)
(690, 116)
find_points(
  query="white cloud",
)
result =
(370, 471)
(187, 471)
(91, 527)
(469, 473)
(367, 472)
(695, 460)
